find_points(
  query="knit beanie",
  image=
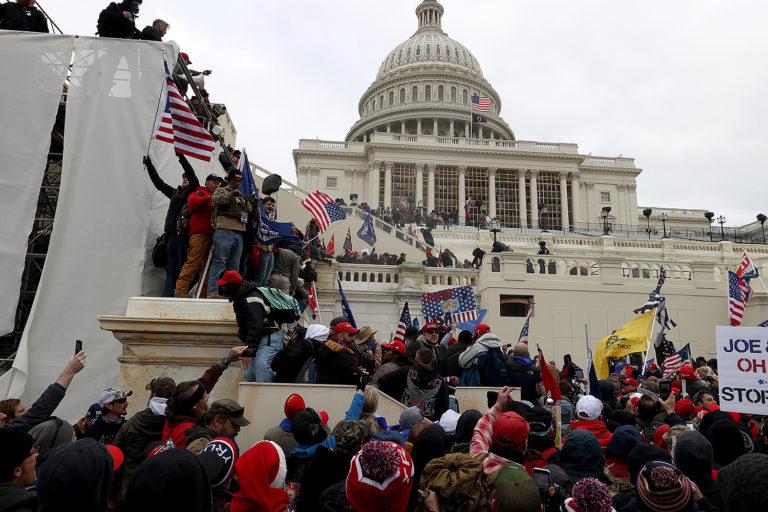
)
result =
(307, 427)
(465, 337)
(409, 417)
(16, 447)
(380, 478)
(663, 488)
(465, 427)
(566, 411)
(642, 454)
(49, 435)
(742, 483)
(592, 495)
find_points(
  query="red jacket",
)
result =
(174, 428)
(597, 427)
(200, 211)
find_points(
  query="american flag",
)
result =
(313, 299)
(481, 104)
(179, 126)
(403, 324)
(458, 302)
(673, 363)
(747, 270)
(403, 204)
(736, 300)
(524, 331)
(323, 209)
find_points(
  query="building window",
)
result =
(404, 184)
(515, 305)
(402, 95)
(549, 194)
(440, 93)
(508, 198)
(381, 101)
(448, 51)
(453, 97)
(331, 183)
(437, 49)
(429, 50)
(391, 98)
(446, 191)
(464, 97)
(408, 53)
(418, 51)
(428, 93)
(400, 56)
(476, 180)
(605, 197)
(415, 93)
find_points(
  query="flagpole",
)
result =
(157, 109)
(590, 360)
(201, 281)
(650, 339)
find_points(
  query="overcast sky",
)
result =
(680, 86)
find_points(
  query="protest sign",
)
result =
(742, 364)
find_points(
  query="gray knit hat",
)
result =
(742, 483)
(410, 417)
(49, 435)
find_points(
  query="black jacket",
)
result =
(325, 469)
(178, 195)
(288, 362)
(133, 438)
(112, 23)
(525, 377)
(104, 431)
(250, 314)
(19, 17)
(150, 33)
(337, 364)
(42, 409)
(15, 498)
(395, 384)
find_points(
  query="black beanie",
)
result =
(307, 427)
(16, 447)
(465, 337)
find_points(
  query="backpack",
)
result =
(182, 222)
(160, 252)
(458, 480)
(281, 307)
(493, 368)
(422, 398)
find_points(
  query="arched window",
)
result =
(437, 49)
(464, 97)
(418, 51)
(448, 51)
(381, 101)
(374, 104)
(453, 94)
(428, 93)
(429, 50)
(400, 56)
(415, 93)
(402, 95)
(440, 93)
(391, 98)
(408, 54)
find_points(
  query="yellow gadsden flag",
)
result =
(633, 337)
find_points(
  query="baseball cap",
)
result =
(629, 381)
(588, 408)
(185, 57)
(293, 404)
(688, 372)
(111, 395)
(431, 326)
(510, 429)
(396, 345)
(482, 329)
(230, 276)
(345, 327)
(226, 450)
(213, 177)
(230, 410)
(117, 456)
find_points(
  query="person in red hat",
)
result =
(337, 361)
(255, 327)
(393, 357)
(281, 434)
(692, 383)
(430, 338)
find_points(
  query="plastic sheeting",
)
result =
(107, 219)
(34, 69)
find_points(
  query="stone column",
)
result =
(418, 127)
(315, 178)
(462, 194)
(590, 210)
(349, 183)
(402, 127)
(492, 192)
(451, 129)
(632, 193)
(479, 131)
(419, 184)
(302, 178)
(575, 197)
(466, 130)
(564, 200)
(373, 188)
(430, 187)
(621, 204)
(389, 127)
(534, 199)
(522, 200)
(388, 183)
(434, 129)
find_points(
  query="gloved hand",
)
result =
(362, 380)
(146, 160)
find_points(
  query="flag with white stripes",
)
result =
(663, 317)
(524, 331)
(654, 299)
(673, 363)
(403, 324)
(179, 126)
(323, 208)
(481, 103)
(747, 269)
(736, 302)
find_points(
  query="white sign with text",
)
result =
(742, 367)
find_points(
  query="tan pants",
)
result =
(197, 256)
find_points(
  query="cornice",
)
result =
(474, 150)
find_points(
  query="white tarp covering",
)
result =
(107, 219)
(34, 68)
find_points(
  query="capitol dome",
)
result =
(424, 87)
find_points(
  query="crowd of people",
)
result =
(625, 446)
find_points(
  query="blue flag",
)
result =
(345, 309)
(471, 325)
(647, 365)
(415, 323)
(247, 186)
(366, 232)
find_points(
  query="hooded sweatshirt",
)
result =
(597, 427)
(693, 456)
(143, 428)
(261, 474)
(76, 477)
(484, 343)
(624, 439)
(582, 456)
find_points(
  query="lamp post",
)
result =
(542, 212)
(353, 199)
(495, 228)
(604, 214)
(710, 217)
(647, 212)
(761, 219)
(483, 211)
(664, 223)
(721, 221)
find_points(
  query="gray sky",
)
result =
(680, 86)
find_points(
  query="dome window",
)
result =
(440, 93)
(428, 93)
(418, 51)
(400, 56)
(391, 98)
(415, 94)
(429, 50)
(464, 97)
(381, 101)
(448, 51)
(402, 96)
(453, 94)
(437, 49)
(465, 57)
(391, 60)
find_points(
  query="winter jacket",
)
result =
(229, 206)
(524, 375)
(281, 434)
(289, 361)
(42, 409)
(200, 211)
(337, 363)
(112, 23)
(450, 356)
(541, 451)
(484, 343)
(597, 427)
(248, 304)
(105, 431)
(325, 469)
(174, 427)
(694, 456)
(133, 438)
(386, 369)
(437, 351)
(178, 196)
(420, 386)
(150, 33)
(582, 456)
(480, 445)
(15, 498)
(287, 264)
(22, 18)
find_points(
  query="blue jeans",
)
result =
(227, 246)
(269, 346)
(264, 270)
(177, 255)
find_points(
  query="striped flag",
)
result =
(313, 299)
(481, 104)
(323, 209)
(179, 126)
(464, 316)
(524, 331)
(663, 317)
(673, 363)
(736, 302)
(403, 324)
(747, 269)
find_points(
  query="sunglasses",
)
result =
(432, 331)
